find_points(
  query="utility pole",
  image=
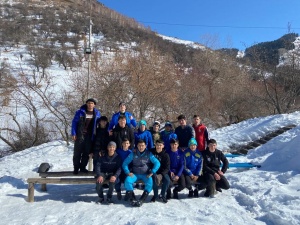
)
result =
(89, 60)
(88, 51)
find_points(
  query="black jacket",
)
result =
(164, 160)
(212, 161)
(120, 133)
(109, 165)
(102, 139)
(184, 135)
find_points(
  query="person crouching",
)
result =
(108, 168)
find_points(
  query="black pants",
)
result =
(212, 183)
(180, 183)
(111, 186)
(82, 150)
(201, 183)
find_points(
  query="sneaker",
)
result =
(169, 193)
(100, 200)
(153, 199)
(175, 194)
(218, 189)
(196, 194)
(84, 170)
(191, 193)
(206, 194)
(119, 195)
(76, 170)
(163, 198)
(109, 201)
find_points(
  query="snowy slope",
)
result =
(268, 195)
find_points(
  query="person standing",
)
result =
(167, 135)
(154, 130)
(108, 168)
(201, 133)
(101, 140)
(130, 120)
(184, 132)
(143, 133)
(211, 169)
(83, 132)
(122, 131)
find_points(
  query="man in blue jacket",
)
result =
(144, 165)
(130, 120)
(83, 133)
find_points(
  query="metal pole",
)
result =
(89, 61)
(90, 55)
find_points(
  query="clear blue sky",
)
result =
(233, 23)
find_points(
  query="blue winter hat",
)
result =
(143, 122)
(192, 142)
(168, 124)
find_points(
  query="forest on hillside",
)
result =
(158, 79)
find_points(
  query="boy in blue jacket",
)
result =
(130, 120)
(123, 152)
(176, 169)
(144, 165)
(144, 134)
(192, 166)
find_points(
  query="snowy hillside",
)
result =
(268, 195)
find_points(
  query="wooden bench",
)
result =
(64, 177)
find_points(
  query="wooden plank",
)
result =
(66, 174)
(62, 180)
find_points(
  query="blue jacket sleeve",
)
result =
(181, 166)
(150, 141)
(198, 170)
(126, 163)
(113, 121)
(156, 163)
(186, 170)
(75, 123)
(132, 121)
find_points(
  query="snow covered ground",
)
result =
(266, 195)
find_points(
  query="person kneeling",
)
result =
(141, 161)
(211, 169)
(108, 168)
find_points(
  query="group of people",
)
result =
(125, 151)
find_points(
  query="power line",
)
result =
(219, 26)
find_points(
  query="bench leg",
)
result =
(43, 187)
(30, 192)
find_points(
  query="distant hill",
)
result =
(268, 52)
